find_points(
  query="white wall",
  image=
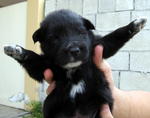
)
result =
(12, 31)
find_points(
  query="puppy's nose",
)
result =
(75, 51)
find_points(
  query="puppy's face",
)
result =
(64, 38)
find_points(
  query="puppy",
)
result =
(67, 43)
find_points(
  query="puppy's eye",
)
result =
(82, 48)
(50, 36)
(53, 36)
(83, 32)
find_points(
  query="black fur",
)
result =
(66, 37)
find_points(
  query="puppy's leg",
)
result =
(115, 40)
(32, 62)
(54, 103)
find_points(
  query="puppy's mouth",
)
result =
(71, 65)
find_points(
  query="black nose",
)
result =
(75, 51)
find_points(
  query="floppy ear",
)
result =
(88, 24)
(38, 35)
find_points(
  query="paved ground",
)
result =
(9, 112)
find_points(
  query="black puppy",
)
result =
(67, 43)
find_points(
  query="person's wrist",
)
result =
(117, 94)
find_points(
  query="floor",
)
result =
(9, 112)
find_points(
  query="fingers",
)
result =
(48, 75)
(103, 65)
(98, 59)
(50, 88)
(105, 112)
(98, 53)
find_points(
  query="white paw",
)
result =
(14, 51)
(139, 24)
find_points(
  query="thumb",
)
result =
(105, 112)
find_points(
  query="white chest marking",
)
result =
(72, 65)
(77, 88)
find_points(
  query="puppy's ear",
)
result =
(88, 24)
(38, 35)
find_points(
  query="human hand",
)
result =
(106, 69)
(103, 65)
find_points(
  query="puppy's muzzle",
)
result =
(75, 49)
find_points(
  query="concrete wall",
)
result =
(12, 31)
(131, 66)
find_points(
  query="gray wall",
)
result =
(131, 66)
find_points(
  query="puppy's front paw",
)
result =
(137, 25)
(14, 51)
